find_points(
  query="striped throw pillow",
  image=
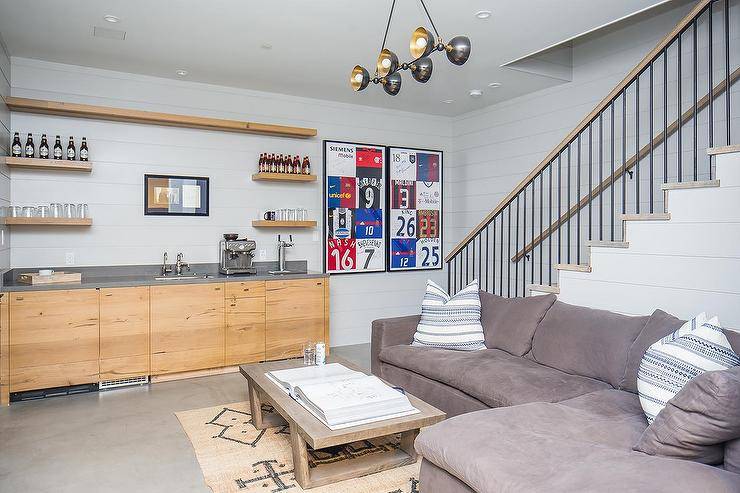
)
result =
(698, 346)
(450, 322)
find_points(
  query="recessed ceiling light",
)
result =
(111, 18)
(475, 93)
(266, 46)
(494, 84)
(483, 14)
(448, 101)
(181, 73)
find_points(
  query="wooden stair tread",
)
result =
(686, 185)
(573, 267)
(713, 151)
(544, 288)
(656, 216)
(608, 244)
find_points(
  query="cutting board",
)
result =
(58, 277)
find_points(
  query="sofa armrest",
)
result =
(390, 332)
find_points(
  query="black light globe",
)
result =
(392, 84)
(458, 50)
(421, 69)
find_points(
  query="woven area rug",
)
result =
(236, 457)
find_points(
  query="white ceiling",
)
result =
(315, 43)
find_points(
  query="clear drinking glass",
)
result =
(83, 211)
(309, 353)
(29, 211)
(57, 210)
(15, 211)
(70, 211)
(43, 211)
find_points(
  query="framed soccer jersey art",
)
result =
(414, 219)
(354, 207)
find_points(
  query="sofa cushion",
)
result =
(492, 376)
(609, 403)
(510, 323)
(732, 456)
(450, 322)
(585, 341)
(695, 424)
(669, 364)
(660, 325)
(556, 448)
(733, 337)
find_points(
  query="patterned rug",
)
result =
(236, 457)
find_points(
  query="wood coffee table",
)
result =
(306, 430)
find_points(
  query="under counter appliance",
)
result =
(236, 255)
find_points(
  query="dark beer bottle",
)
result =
(58, 148)
(306, 166)
(261, 163)
(281, 164)
(297, 165)
(17, 147)
(84, 153)
(273, 164)
(44, 148)
(30, 148)
(71, 151)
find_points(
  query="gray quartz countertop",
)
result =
(144, 275)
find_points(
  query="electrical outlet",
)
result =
(263, 254)
(69, 258)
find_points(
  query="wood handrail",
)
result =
(629, 164)
(629, 78)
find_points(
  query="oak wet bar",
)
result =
(120, 323)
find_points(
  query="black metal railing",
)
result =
(668, 93)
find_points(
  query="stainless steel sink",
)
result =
(182, 277)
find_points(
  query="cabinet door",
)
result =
(4, 350)
(124, 333)
(295, 314)
(245, 289)
(245, 330)
(54, 339)
(187, 327)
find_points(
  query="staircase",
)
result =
(614, 172)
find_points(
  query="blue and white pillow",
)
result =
(697, 346)
(450, 322)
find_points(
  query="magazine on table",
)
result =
(340, 397)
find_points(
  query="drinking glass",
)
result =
(301, 214)
(43, 210)
(28, 211)
(15, 211)
(309, 353)
(83, 211)
(70, 211)
(291, 214)
(57, 210)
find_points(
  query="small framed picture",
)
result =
(168, 195)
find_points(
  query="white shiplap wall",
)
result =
(122, 153)
(5, 140)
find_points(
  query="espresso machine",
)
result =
(236, 255)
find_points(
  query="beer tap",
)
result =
(282, 245)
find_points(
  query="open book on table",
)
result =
(340, 397)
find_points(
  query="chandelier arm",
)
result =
(388, 25)
(430, 18)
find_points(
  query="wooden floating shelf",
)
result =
(48, 164)
(282, 177)
(284, 224)
(76, 110)
(47, 221)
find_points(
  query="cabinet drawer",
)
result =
(245, 289)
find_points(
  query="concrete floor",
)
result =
(126, 440)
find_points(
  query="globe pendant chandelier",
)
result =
(423, 44)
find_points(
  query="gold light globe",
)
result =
(359, 78)
(422, 43)
(387, 62)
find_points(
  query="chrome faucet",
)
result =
(282, 245)
(180, 265)
(165, 269)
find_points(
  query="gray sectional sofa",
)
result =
(551, 405)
